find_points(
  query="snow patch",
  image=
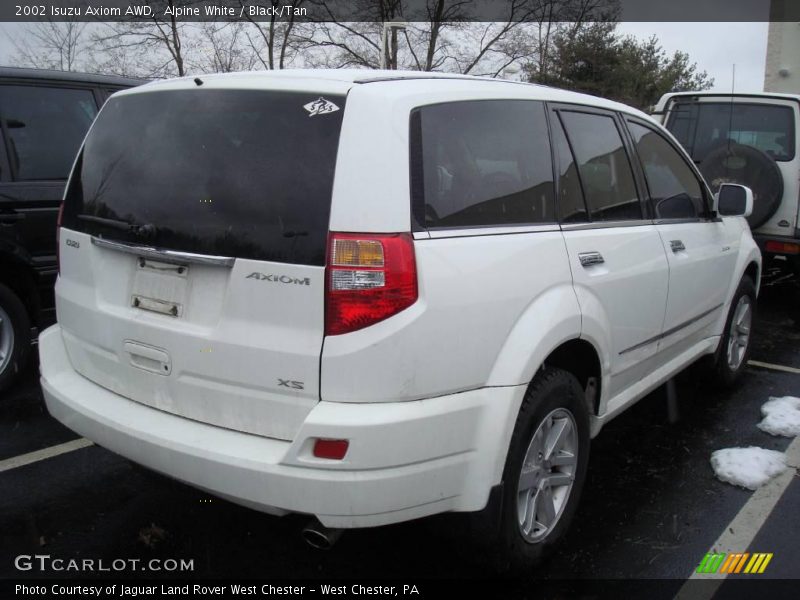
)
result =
(781, 416)
(747, 467)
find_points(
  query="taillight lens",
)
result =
(369, 278)
(58, 235)
(782, 247)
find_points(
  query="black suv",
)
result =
(44, 116)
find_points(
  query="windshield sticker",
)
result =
(320, 106)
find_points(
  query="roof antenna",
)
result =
(198, 81)
(730, 116)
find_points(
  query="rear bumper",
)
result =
(406, 459)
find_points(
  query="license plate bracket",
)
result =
(160, 287)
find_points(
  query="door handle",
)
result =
(591, 258)
(677, 245)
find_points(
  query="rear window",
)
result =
(241, 173)
(481, 163)
(702, 127)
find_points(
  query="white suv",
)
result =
(374, 296)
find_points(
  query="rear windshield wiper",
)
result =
(145, 229)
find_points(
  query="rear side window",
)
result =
(702, 127)
(243, 173)
(481, 163)
(674, 188)
(603, 166)
(44, 127)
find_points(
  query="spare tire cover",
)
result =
(748, 166)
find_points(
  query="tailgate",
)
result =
(193, 249)
(242, 352)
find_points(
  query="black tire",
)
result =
(723, 372)
(551, 392)
(745, 165)
(20, 329)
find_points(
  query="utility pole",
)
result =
(392, 26)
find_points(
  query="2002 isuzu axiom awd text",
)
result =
(374, 296)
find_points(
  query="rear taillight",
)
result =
(782, 247)
(58, 235)
(369, 278)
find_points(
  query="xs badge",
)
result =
(295, 385)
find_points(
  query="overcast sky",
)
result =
(715, 47)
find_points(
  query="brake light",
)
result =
(782, 247)
(369, 278)
(58, 235)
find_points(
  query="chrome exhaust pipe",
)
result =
(320, 537)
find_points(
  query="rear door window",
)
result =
(603, 166)
(242, 173)
(44, 128)
(481, 163)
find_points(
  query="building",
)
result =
(782, 71)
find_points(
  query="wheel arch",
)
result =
(580, 358)
(753, 271)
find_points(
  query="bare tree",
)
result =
(52, 45)
(154, 48)
(274, 42)
(450, 39)
(222, 48)
(331, 42)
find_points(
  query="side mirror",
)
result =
(734, 200)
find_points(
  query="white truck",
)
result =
(750, 139)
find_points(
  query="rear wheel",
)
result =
(545, 468)
(15, 336)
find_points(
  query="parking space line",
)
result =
(44, 453)
(773, 367)
(740, 533)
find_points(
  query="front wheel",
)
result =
(545, 468)
(734, 347)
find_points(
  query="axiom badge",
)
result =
(279, 278)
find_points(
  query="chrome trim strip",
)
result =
(669, 332)
(679, 221)
(491, 230)
(168, 256)
(605, 224)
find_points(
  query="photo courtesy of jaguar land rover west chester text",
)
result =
(373, 296)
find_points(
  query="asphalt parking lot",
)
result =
(650, 510)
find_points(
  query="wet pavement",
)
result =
(651, 506)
